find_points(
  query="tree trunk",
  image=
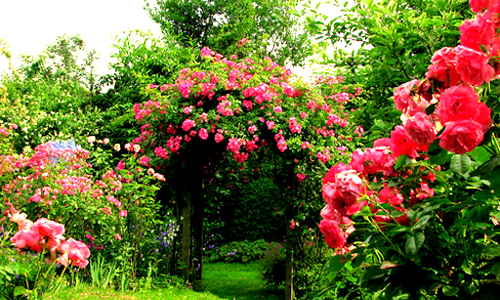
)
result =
(186, 236)
(289, 291)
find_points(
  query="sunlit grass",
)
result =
(86, 292)
(237, 281)
(220, 281)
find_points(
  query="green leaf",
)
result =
(460, 164)
(333, 267)
(421, 222)
(495, 270)
(19, 290)
(401, 161)
(450, 290)
(414, 242)
(410, 246)
(419, 239)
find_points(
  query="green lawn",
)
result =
(220, 281)
(237, 281)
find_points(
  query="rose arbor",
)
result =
(425, 201)
(232, 108)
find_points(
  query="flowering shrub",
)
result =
(273, 265)
(36, 241)
(243, 251)
(425, 201)
(240, 105)
(56, 182)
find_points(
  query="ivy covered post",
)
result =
(226, 109)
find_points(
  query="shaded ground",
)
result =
(237, 281)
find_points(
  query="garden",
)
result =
(202, 167)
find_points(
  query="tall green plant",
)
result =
(272, 26)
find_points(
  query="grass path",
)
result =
(237, 281)
(221, 281)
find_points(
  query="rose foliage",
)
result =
(423, 203)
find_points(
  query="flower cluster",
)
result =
(444, 108)
(46, 234)
(238, 106)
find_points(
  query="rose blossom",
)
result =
(74, 251)
(477, 32)
(420, 129)
(188, 124)
(203, 134)
(402, 144)
(344, 191)
(403, 95)
(443, 67)
(461, 136)
(48, 228)
(335, 237)
(462, 103)
(473, 66)
(27, 238)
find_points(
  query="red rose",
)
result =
(477, 32)
(443, 67)
(420, 129)
(461, 136)
(335, 237)
(402, 143)
(462, 103)
(473, 66)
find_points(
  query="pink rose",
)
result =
(345, 191)
(477, 32)
(402, 143)
(461, 136)
(479, 5)
(188, 124)
(330, 176)
(403, 95)
(76, 252)
(48, 228)
(27, 239)
(203, 134)
(123, 213)
(335, 237)
(301, 177)
(473, 66)
(219, 137)
(443, 67)
(462, 103)
(420, 129)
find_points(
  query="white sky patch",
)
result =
(30, 25)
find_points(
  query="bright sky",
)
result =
(30, 25)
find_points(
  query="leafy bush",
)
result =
(243, 251)
(424, 201)
(274, 265)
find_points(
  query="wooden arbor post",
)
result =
(191, 213)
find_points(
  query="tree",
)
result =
(272, 26)
(396, 40)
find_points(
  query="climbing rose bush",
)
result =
(56, 183)
(239, 106)
(424, 201)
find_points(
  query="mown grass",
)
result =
(237, 281)
(232, 281)
(85, 292)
